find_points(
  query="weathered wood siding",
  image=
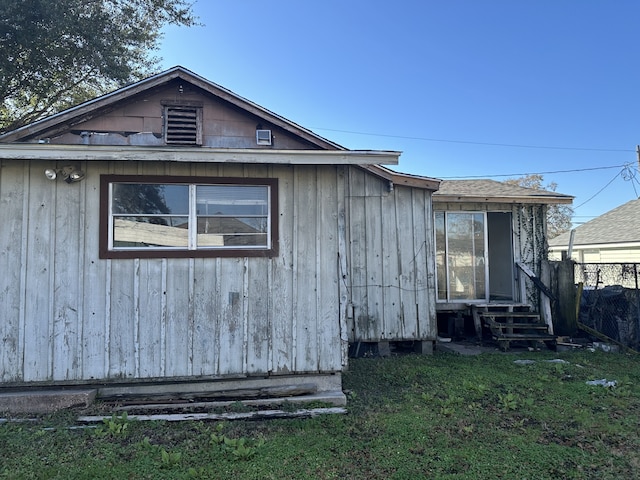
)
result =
(391, 265)
(66, 315)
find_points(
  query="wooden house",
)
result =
(173, 236)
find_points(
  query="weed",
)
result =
(217, 437)
(196, 472)
(116, 426)
(240, 448)
(170, 459)
(508, 401)
(146, 444)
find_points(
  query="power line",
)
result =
(539, 173)
(467, 142)
(599, 191)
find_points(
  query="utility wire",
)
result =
(510, 145)
(627, 173)
(539, 173)
(599, 191)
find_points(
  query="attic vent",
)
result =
(183, 125)
(263, 137)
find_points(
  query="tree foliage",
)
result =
(58, 53)
(558, 216)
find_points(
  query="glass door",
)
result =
(461, 256)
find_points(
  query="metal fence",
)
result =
(610, 301)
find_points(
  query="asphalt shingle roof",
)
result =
(620, 225)
(492, 189)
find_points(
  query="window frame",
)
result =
(106, 215)
(449, 298)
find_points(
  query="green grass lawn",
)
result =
(409, 417)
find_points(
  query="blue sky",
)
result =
(464, 88)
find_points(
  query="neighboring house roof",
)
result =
(619, 225)
(30, 137)
(485, 191)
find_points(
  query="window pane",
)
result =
(259, 240)
(233, 231)
(441, 259)
(150, 232)
(233, 200)
(465, 258)
(479, 254)
(129, 198)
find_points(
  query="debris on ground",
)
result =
(603, 382)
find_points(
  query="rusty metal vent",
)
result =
(183, 125)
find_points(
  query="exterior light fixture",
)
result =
(70, 174)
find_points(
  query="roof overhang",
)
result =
(404, 179)
(70, 153)
(533, 199)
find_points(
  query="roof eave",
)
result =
(77, 153)
(405, 179)
(543, 200)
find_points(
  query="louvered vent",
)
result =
(183, 126)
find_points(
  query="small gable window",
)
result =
(156, 217)
(182, 125)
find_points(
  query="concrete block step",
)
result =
(45, 401)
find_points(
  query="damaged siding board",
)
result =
(122, 316)
(38, 315)
(205, 321)
(426, 277)
(13, 219)
(373, 324)
(258, 322)
(95, 328)
(66, 243)
(357, 262)
(150, 318)
(392, 298)
(327, 302)
(304, 270)
(178, 330)
(408, 235)
(231, 279)
(344, 279)
(282, 331)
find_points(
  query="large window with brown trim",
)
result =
(158, 216)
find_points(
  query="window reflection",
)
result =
(460, 255)
(159, 216)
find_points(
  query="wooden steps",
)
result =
(510, 322)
